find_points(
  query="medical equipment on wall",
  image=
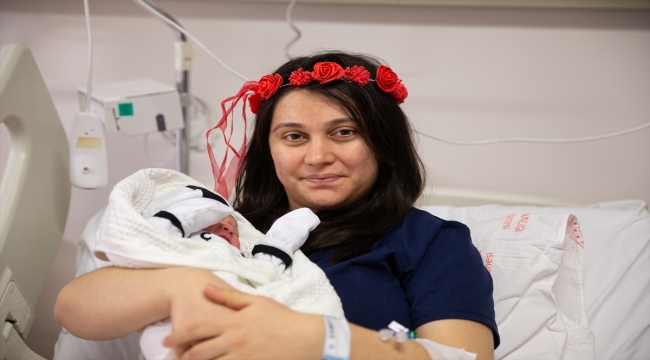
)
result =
(88, 161)
(183, 54)
(136, 106)
(35, 193)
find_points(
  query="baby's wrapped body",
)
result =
(128, 239)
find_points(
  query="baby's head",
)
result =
(226, 229)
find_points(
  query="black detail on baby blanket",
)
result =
(173, 219)
(206, 236)
(273, 251)
(209, 194)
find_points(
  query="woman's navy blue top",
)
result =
(422, 270)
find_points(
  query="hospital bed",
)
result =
(608, 294)
(35, 194)
(611, 287)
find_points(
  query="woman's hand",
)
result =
(190, 309)
(255, 327)
(248, 327)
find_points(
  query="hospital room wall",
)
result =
(472, 74)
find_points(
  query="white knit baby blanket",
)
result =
(126, 239)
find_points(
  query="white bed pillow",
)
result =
(536, 263)
(616, 269)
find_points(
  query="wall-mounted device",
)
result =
(135, 106)
(88, 162)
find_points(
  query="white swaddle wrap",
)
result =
(126, 239)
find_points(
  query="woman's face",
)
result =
(320, 158)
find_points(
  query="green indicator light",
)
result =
(125, 109)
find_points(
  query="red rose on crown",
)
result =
(326, 71)
(300, 78)
(400, 93)
(357, 74)
(268, 85)
(254, 101)
(386, 79)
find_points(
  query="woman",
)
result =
(329, 135)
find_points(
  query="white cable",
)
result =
(90, 57)
(542, 141)
(184, 32)
(294, 27)
(157, 13)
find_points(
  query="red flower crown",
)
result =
(254, 92)
(325, 72)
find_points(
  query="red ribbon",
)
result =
(225, 177)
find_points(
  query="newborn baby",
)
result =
(200, 214)
(225, 229)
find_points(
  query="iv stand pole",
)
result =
(183, 58)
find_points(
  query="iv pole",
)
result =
(182, 61)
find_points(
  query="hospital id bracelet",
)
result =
(337, 339)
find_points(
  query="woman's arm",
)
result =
(472, 336)
(111, 302)
(463, 334)
(263, 328)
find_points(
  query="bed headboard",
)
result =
(35, 188)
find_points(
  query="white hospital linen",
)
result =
(616, 263)
(536, 261)
(126, 239)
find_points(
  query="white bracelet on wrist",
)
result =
(337, 339)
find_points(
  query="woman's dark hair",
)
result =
(261, 198)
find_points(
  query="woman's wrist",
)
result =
(311, 336)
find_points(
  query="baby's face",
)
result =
(226, 229)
